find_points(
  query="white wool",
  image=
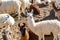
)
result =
(43, 27)
(26, 1)
(8, 6)
(10, 20)
(25, 4)
(3, 18)
(48, 1)
(38, 1)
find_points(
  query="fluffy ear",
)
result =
(32, 12)
(26, 12)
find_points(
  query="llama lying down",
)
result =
(6, 18)
(43, 27)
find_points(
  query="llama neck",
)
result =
(31, 22)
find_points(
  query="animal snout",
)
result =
(23, 31)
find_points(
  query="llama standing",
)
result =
(57, 14)
(44, 27)
(10, 6)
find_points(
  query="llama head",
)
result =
(30, 14)
(4, 18)
(10, 20)
(22, 28)
(21, 25)
(30, 20)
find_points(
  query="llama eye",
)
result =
(30, 17)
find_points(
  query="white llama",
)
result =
(38, 1)
(6, 18)
(43, 27)
(48, 1)
(8, 6)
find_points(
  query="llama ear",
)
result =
(32, 12)
(26, 12)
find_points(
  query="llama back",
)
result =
(49, 26)
(49, 22)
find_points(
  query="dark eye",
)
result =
(7, 16)
(30, 17)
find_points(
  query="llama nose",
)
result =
(27, 15)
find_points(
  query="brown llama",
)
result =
(24, 32)
(27, 34)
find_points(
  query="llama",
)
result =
(6, 18)
(24, 32)
(25, 4)
(56, 10)
(27, 34)
(38, 1)
(48, 1)
(57, 4)
(43, 27)
(9, 6)
(35, 8)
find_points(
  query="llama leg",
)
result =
(43, 37)
(55, 38)
(8, 31)
(18, 14)
(39, 38)
(18, 11)
(59, 17)
(23, 10)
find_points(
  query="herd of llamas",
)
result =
(40, 28)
